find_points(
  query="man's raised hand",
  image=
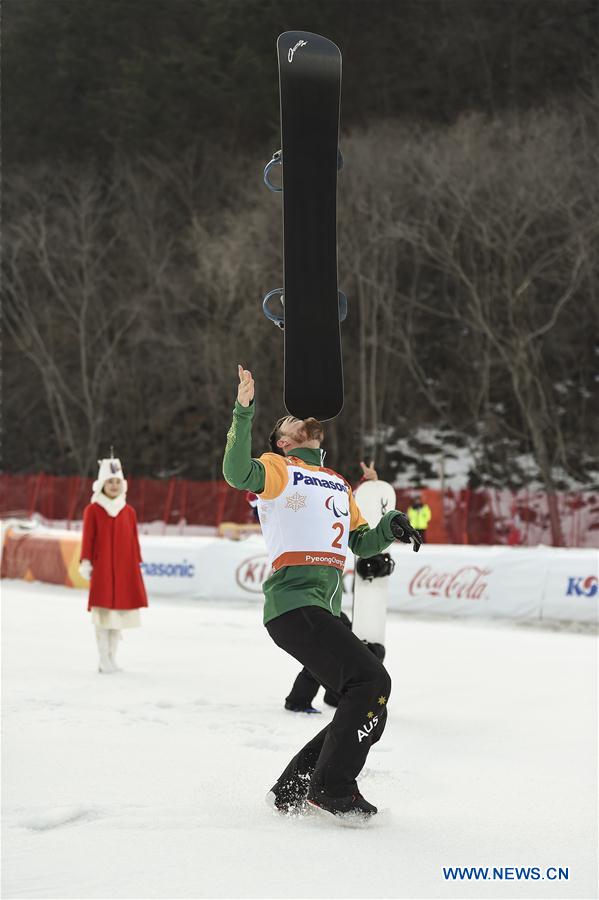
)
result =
(245, 392)
(369, 472)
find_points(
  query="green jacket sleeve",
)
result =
(365, 541)
(239, 469)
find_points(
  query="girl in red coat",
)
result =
(110, 559)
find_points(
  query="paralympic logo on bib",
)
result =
(331, 505)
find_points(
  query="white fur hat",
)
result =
(109, 468)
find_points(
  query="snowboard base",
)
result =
(310, 90)
(371, 595)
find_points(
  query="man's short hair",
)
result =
(311, 424)
(275, 435)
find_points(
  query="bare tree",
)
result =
(465, 251)
(66, 307)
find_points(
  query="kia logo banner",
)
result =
(250, 573)
(582, 587)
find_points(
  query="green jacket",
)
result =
(294, 586)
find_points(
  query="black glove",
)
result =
(403, 531)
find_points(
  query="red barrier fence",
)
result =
(458, 517)
(171, 501)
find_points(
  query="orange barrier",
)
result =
(46, 558)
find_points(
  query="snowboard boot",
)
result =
(353, 808)
(105, 664)
(114, 636)
(290, 797)
(301, 707)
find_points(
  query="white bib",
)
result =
(308, 523)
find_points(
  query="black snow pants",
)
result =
(344, 664)
(305, 687)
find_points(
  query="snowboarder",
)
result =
(309, 518)
(110, 560)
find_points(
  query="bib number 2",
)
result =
(338, 526)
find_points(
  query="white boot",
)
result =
(105, 664)
(114, 636)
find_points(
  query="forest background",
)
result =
(139, 239)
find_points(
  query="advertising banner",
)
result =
(461, 580)
(204, 567)
(571, 588)
(466, 581)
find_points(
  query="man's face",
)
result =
(295, 433)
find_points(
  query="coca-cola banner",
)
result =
(488, 581)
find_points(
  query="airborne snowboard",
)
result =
(310, 89)
(371, 575)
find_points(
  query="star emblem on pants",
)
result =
(382, 701)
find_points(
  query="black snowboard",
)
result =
(310, 89)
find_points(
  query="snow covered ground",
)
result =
(150, 782)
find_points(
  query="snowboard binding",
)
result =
(277, 160)
(372, 567)
(279, 317)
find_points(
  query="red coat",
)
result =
(112, 546)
